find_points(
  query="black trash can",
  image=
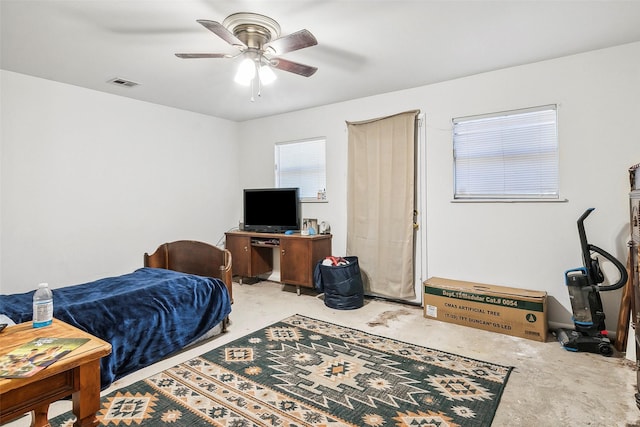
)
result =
(341, 284)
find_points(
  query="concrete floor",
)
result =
(548, 387)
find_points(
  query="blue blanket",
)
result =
(145, 315)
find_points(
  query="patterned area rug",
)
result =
(307, 372)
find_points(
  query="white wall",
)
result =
(91, 181)
(527, 245)
(84, 175)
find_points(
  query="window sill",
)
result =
(559, 200)
(314, 201)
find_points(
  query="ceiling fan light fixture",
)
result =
(246, 72)
(266, 75)
(258, 39)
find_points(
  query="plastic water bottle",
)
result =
(42, 306)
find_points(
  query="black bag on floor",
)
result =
(341, 284)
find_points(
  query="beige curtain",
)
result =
(380, 206)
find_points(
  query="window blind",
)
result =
(509, 155)
(302, 164)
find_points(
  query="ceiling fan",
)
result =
(257, 37)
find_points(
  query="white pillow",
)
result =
(6, 319)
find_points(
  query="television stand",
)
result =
(252, 254)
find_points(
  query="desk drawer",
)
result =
(20, 400)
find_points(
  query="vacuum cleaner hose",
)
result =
(621, 269)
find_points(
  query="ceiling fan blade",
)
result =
(293, 67)
(202, 55)
(221, 31)
(298, 40)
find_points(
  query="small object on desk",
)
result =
(325, 228)
(42, 306)
(288, 232)
(2, 326)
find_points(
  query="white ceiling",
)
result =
(364, 47)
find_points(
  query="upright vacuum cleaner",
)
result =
(590, 334)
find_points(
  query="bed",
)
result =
(182, 295)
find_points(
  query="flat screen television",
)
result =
(271, 210)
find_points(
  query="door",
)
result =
(239, 247)
(383, 206)
(634, 275)
(248, 260)
(295, 262)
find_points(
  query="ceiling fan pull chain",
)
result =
(258, 79)
(252, 90)
(253, 83)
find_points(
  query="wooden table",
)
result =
(77, 374)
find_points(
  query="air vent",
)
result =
(122, 82)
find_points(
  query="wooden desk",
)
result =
(77, 375)
(252, 255)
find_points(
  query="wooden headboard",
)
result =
(193, 257)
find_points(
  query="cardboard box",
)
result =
(512, 311)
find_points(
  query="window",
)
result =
(302, 164)
(510, 155)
